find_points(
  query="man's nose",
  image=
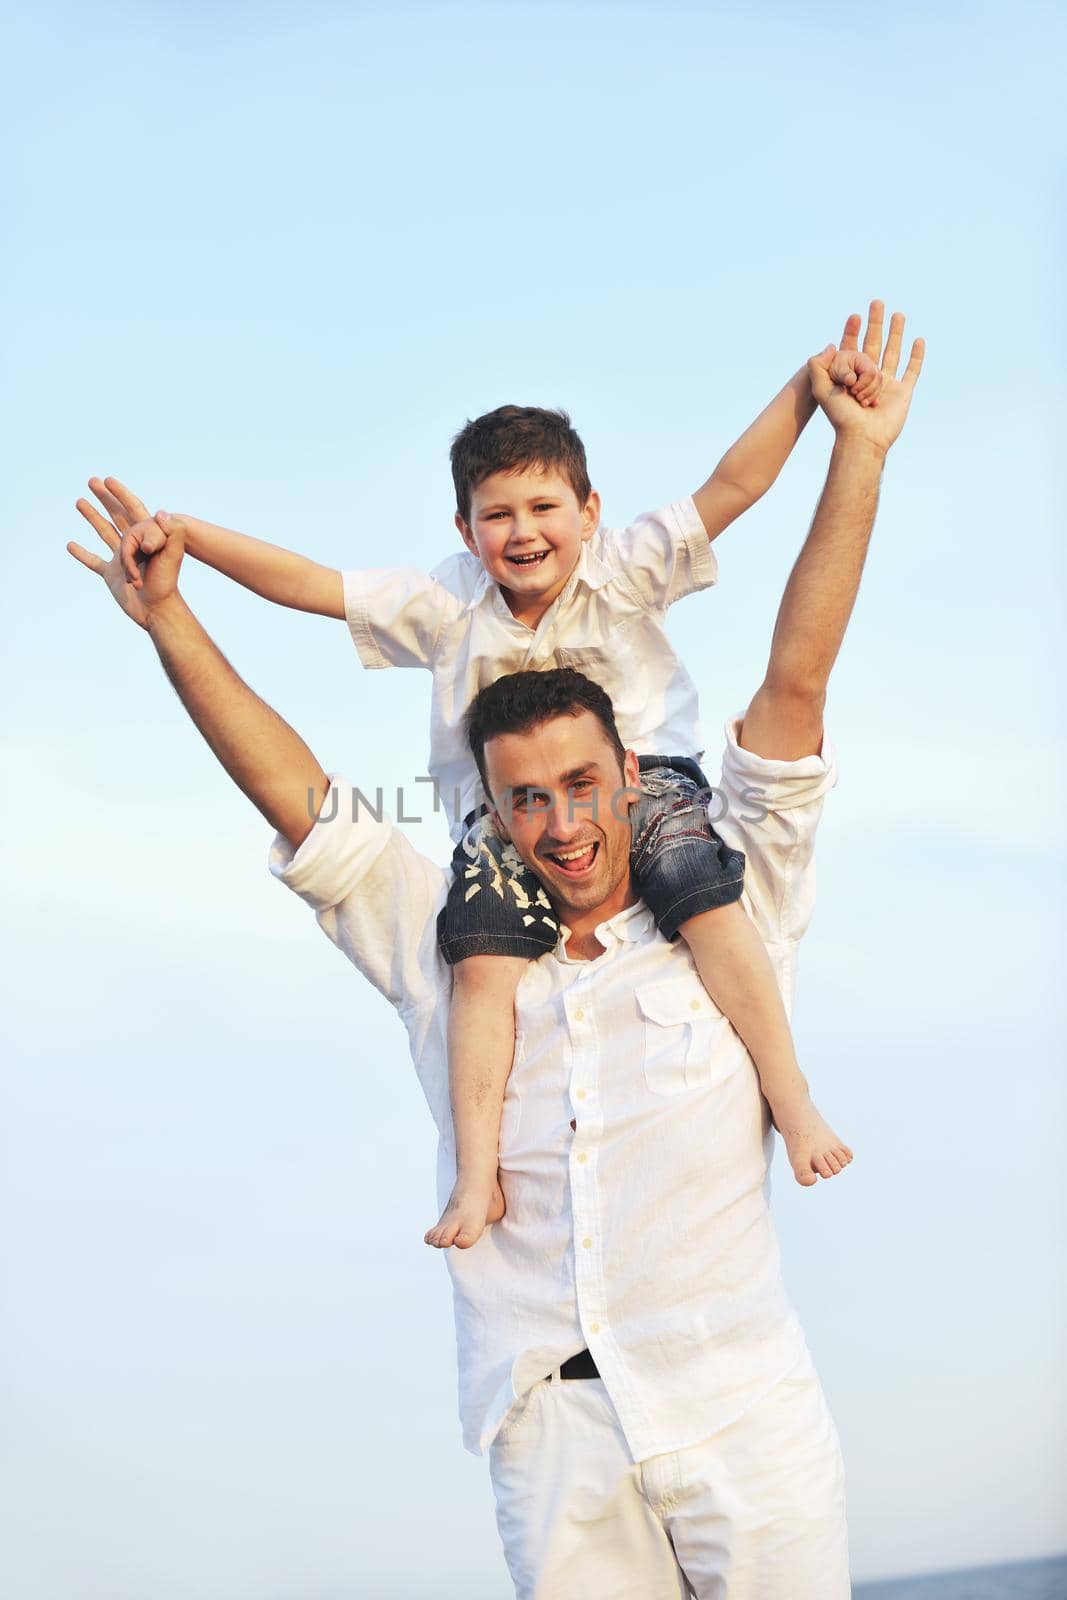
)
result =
(568, 816)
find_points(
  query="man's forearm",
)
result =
(823, 584)
(267, 569)
(750, 466)
(260, 751)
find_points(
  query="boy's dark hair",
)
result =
(510, 439)
(523, 700)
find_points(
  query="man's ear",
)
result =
(590, 516)
(466, 535)
(498, 823)
(631, 780)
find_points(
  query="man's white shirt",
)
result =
(607, 622)
(643, 1234)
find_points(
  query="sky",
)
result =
(261, 262)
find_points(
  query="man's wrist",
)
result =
(164, 613)
(852, 445)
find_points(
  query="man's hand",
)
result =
(877, 424)
(155, 578)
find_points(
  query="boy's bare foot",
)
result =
(466, 1216)
(813, 1148)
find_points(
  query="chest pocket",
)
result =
(683, 1029)
(618, 668)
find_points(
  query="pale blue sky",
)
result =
(261, 262)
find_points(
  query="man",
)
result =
(627, 1351)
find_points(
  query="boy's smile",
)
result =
(527, 529)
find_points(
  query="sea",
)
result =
(1024, 1580)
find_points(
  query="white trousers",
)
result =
(756, 1512)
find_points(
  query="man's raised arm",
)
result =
(784, 721)
(260, 751)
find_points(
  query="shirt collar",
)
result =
(590, 570)
(626, 927)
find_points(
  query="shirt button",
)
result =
(587, 1244)
(579, 1015)
(594, 1327)
(694, 1005)
(582, 1156)
(580, 1095)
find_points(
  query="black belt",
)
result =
(580, 1366)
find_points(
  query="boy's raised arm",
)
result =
(267, 569)
(751, 465)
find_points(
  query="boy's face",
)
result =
(527, 529)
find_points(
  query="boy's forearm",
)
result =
(260, 751)
(268, 570)
(751, 465)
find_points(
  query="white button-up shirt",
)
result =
(645, 1232)
(607, 622)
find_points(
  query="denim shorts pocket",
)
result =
(511, 1114)
(682, 1028)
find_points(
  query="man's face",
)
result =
(553, 789)
(527, 530)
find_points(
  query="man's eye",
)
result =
(546, 505)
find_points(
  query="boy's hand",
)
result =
(157, 576)
(878, 425)
(139, 544)
(856, 372)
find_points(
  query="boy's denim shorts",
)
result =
(497, 906)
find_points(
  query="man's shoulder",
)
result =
(374, 895)
(352, 840)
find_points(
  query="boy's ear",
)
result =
(466, 535)
(590, 516)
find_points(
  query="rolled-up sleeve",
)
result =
(664, 554)
(395, 615)
(374, 896)
(772, 810)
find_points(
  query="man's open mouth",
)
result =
(577, 861)
(533, 560)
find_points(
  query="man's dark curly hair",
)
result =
(512, 439)
(523, 700)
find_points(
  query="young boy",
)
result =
(543, 586)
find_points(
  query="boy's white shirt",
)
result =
(607, 622)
